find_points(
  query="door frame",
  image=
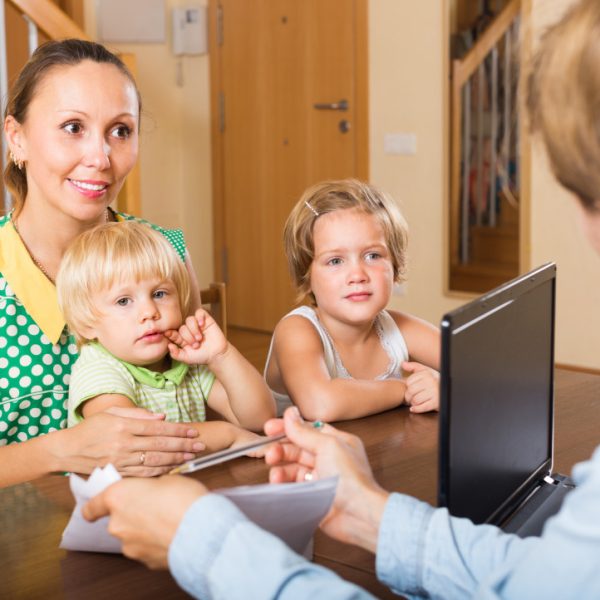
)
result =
(361, 125)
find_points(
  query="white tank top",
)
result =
(391, 341)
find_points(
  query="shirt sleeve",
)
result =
(218, 553)
(425, 552)
(96, 373)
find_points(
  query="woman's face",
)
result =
(79, 139)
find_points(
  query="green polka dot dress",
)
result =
(35, 371)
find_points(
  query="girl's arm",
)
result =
(423, 380)
(422, 339)
(240, 394)
(215, 435)
(218, 435)
(298, 354)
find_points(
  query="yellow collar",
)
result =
(34, 290)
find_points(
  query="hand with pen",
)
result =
(145, 514)
(316, 452)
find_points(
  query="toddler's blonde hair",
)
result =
(327, 197)
(107, 254)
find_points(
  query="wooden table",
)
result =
(402, 449)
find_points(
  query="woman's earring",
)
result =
(18, 163)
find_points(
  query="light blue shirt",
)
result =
(218, 553)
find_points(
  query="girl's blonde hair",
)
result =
(109, 253)
(563, 98)
(328, 197)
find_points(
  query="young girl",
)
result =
(124, 293)
(342, 357)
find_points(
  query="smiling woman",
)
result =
(71, 123)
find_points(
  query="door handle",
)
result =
(341, 105)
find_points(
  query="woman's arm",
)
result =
(298, 354)
(115, 438)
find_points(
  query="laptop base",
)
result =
(544, 502)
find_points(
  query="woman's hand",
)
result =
(422, 387)
(327, 452)
(145, 514)
(198, 341)
(135, 441)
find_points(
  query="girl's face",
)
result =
(351, 275)
(79, 139)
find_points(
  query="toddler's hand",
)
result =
(422, 387)
(247, 437)
(198, 341)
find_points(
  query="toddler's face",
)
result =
(352, 274)
(135, 316)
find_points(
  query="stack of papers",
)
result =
(292, 511)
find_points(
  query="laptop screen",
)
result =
(496, 404)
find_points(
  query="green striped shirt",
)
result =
(179, 392)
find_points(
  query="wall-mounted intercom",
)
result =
(189, 30)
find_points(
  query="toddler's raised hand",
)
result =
(198, 341)
(422, 387)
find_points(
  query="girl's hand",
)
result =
(422, 387)
(144, 446)
(145, 514)
(328, 452)
(198, 341)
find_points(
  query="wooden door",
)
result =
(271, 62)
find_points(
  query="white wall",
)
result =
(175, 141)
(407, 42)
(407, 94)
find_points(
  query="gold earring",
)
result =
(18, 163)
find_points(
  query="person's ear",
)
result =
(13, 130)
(90, 333)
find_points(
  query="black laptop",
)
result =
(496, 407)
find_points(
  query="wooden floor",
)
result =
(252, 344)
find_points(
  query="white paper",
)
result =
(81, 534)
(292, 511)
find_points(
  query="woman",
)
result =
(71, 123)
(420, 551)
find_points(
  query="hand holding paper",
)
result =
(145, 513)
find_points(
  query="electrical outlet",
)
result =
(400, 143)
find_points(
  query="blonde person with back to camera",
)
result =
(343, 355)
(125, 295)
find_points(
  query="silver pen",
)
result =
(223, 455)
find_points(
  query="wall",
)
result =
(407, 90)
(402, 99)
(175, 141)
